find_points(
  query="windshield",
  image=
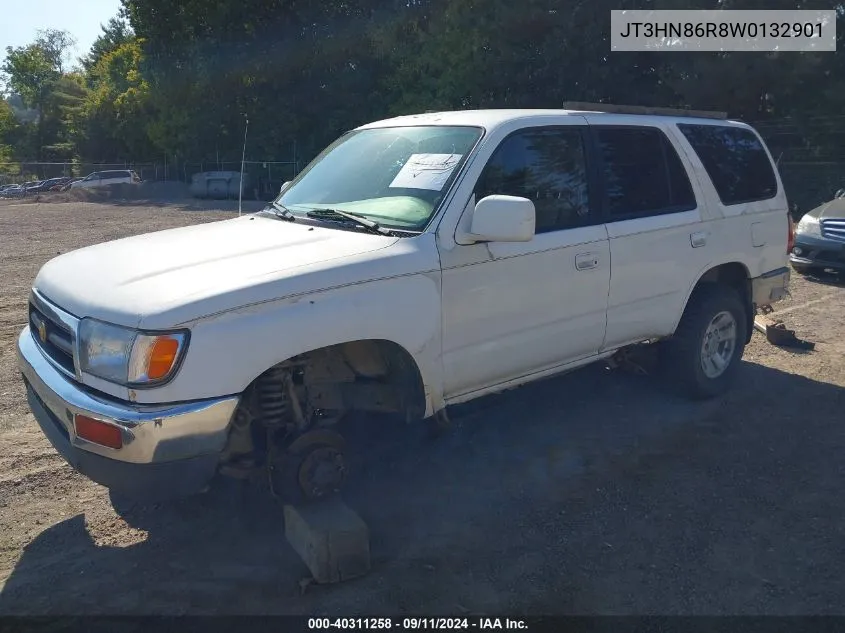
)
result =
(394, 176)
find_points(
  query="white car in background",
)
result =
(103, 178)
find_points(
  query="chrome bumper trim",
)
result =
(151, 433)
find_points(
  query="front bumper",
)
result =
(168, 450)
(817, 252)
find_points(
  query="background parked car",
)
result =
(218, 184)
(14, 191)
(104, 178)
(67, 185)
(47, 185)
(61, 183)
(820, 238)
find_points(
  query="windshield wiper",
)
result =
(281, 211)
(335, 214)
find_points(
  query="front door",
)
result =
(513, 309)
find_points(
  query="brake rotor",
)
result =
(311, 468)
(321, 472)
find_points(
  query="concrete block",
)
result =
(331, 539)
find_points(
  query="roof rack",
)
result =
(629, 109)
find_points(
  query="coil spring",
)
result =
(272, 398)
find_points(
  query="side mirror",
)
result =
(503, 219)
(284, 186)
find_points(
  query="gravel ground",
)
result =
(594, 492)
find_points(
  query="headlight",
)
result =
(126, 356)
(809, 225)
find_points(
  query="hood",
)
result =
(833, 209)
(220, 265)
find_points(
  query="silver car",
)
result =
(820, 238)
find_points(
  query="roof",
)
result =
(489, 119)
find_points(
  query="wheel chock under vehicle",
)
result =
(332, 540)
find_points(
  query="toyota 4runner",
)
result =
(416, 263)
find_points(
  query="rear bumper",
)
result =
(770, 287)
(168, 450)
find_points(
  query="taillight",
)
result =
(790, 241)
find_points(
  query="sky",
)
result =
(82, 18)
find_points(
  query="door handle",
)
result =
(586, 261)
(699, 239)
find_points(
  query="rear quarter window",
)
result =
(735, 161)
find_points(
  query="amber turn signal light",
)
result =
(98, 432)
(162, 357)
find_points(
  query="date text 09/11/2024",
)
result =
(416, 624)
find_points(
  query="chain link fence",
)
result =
(810, 175)
(262, 178)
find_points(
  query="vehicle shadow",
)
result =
(826, 278)
(594, 492)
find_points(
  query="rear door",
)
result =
(658, 238)
(740, 181)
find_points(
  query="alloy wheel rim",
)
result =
(718, 346)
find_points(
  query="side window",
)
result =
(735, 160)
(547, 166)
(643, 175)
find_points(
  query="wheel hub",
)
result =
(321, 472)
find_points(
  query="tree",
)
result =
(33, 70)
(117, 109)
(7, 128)
(65, 114)
(56, 45)
(116, 32)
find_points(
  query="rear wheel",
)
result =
(702, 357)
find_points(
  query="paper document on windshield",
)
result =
(426, 171)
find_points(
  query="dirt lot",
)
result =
(594, 492)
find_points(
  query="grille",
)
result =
(57, 340)
(834, 229)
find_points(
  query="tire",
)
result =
(683, 357)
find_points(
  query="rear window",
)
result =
(643, 175)
(735, 160)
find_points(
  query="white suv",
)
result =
(416, 263)
(104, 178)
